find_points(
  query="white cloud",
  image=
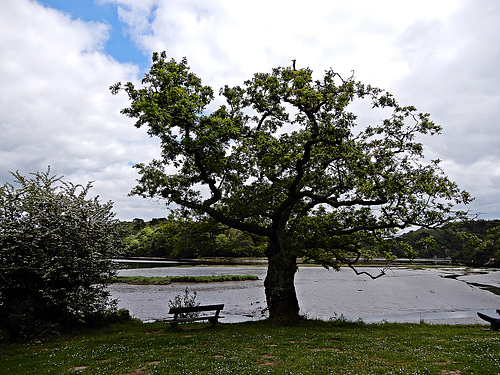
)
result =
(55, 106)
(455, 77)
(481, 179)
(440, 56)
(227, 41)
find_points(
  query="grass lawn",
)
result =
(309, 347)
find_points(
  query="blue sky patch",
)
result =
(119, 45)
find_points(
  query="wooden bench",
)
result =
(495, 322)
(195, 309)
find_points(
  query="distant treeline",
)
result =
(175, 237)
(474, 243)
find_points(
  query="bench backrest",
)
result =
(183, 310)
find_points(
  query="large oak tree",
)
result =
(286, 159)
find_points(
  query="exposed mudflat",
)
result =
(433, 295)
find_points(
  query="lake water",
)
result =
(432, 295)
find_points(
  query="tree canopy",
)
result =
(285, 158)
(56, 246)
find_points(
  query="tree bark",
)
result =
(279, 286)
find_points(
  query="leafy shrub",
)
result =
(56, 247)
(186, 300)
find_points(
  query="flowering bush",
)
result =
(56, 247)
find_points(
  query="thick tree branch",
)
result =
(216, 193)
(380, 274)
(221, 217)
(335, 203)
(293, 193)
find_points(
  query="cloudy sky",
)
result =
(59, 57)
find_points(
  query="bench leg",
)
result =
(173, 324)
(213, 321)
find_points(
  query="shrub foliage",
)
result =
(56, 246)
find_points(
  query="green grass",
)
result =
(141, 280)
(309, 347)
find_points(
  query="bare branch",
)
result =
(358, 273)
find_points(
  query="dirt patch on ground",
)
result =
(194, 327)
(155, 331)
(79, 368)
(444, 362)
(139, 371)
(145, 369)
(266, 360)
(265, 364)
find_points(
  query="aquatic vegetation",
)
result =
(142, 280)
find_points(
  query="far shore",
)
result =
(140, 262)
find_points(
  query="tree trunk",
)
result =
(279, 286)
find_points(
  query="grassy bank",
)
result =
(141, 280)
(309, 347)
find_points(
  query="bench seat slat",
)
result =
(183, 310)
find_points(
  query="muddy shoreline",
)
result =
(433, 295)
